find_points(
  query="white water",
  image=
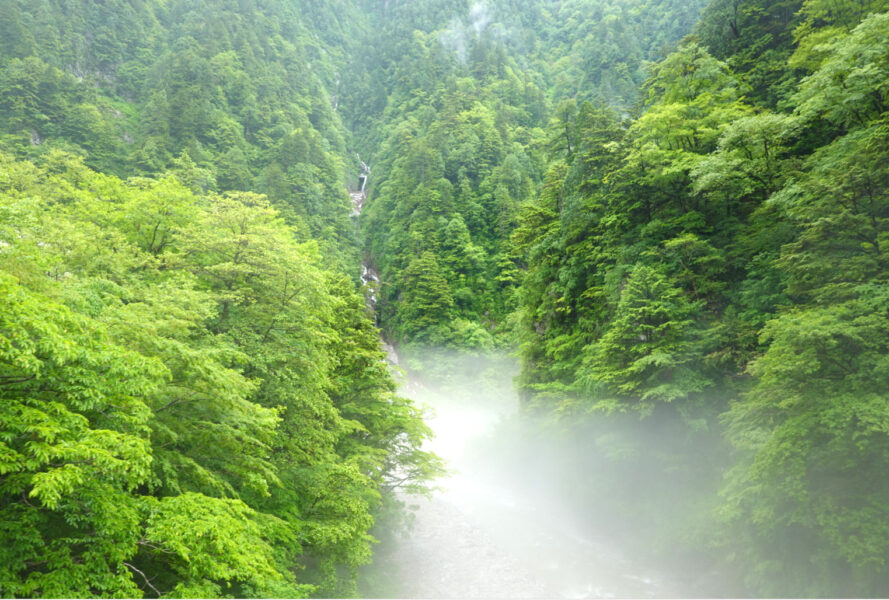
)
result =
(489, 534)
(359, 196)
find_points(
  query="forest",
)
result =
(672, 214)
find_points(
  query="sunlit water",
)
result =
(488, 533)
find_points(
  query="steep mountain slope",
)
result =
(714, 267)
(681, 236)
(195, 401)
(465, 103)
(238, 96)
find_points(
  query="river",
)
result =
(490, 531)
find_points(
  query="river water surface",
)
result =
(487, 532)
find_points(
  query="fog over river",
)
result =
(492, 530)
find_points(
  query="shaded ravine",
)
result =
(370, 279)
(486, 532)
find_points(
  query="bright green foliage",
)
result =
(194, 398)
(386, 430)
(242, 440)
(723, 267)
(841, 208)
(625, 204)
(182, 414)
(850, 88)
(648, 354)
(826, 21)
(74, 448)
(563, 297)
(812, 430)
(749, 164)
(212, 547)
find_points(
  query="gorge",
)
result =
(452, 298)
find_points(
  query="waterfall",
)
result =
(370, 279)
(359, 196)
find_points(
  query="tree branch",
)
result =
(145, 577)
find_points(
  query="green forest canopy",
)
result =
(674, 212)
